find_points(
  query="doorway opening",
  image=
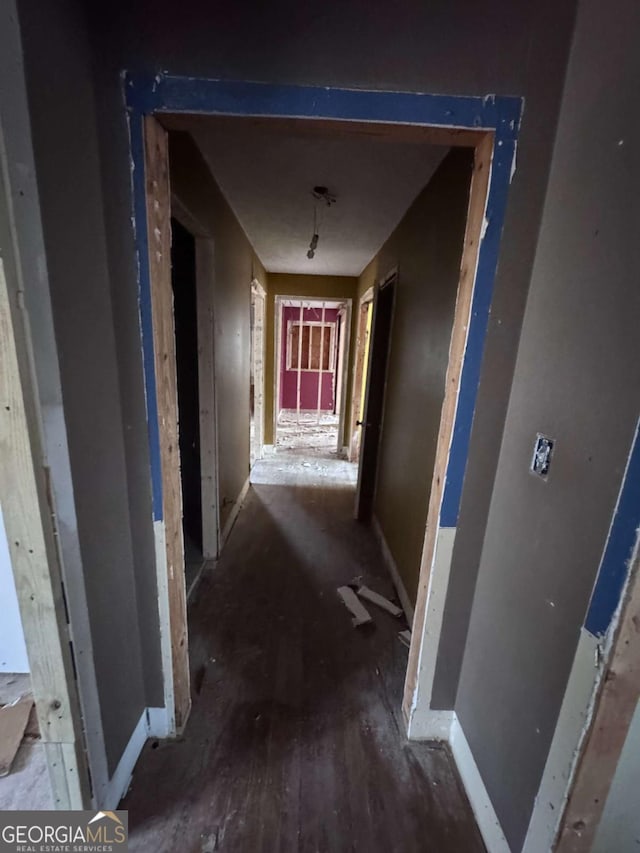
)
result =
(489, 127)
(365, 315)
(378, 344)
(256, 383)
(312, 341)
(183, 284)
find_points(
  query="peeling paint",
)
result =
(513, 161)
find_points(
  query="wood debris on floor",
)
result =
(405, 638)
(379, 600)
(359, 612)
(309, 434)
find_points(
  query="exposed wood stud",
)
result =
(320, 365)
(30, 526)
(619, 693)
(298, 389)
(159, 234)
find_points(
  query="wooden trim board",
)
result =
(158, 203)
(616, 702)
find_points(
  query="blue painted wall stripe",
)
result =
(136, 132)
(619, 548)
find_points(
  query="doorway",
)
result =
(256, 386)
(373, 393)
(312, 345)
(365, 313)
(183, 284)
(490, 126)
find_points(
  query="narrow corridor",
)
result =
(296, 741)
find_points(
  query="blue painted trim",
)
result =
(165, 93)
(162, 93)
(618, 551)
(504, 152)
(136, 134)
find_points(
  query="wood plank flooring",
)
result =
(296, 741)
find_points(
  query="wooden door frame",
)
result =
(489, 124)
(259, 296)
(207, 399)
(358, 373)
(36, 487)
(390, 279)
(31, 520)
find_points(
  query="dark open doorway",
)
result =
(183, 282)
(374, 398)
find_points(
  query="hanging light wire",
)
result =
(320, 195)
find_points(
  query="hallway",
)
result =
(295, 741)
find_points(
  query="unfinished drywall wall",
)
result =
(235, 267)
(426, 249)
(63, 121)
(319, 286)
(577, 380)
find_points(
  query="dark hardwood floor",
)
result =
(296, 740)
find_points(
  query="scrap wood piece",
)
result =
(405, 638)
(379, 600)
(360, 614)
(13, 721)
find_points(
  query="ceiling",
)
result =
(267, 169)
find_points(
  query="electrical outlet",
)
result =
(542, 452)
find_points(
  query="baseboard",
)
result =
(268, 450)
(445, 726)
(479, 799)
(119, 782)
(234, 512)
(158, 723)
(153, 722)
(196, 579)
(434, 725)
(405, 601)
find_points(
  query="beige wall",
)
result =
(426, 248)
(322, 286)
(235, 266)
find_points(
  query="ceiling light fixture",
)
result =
(321, 197)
